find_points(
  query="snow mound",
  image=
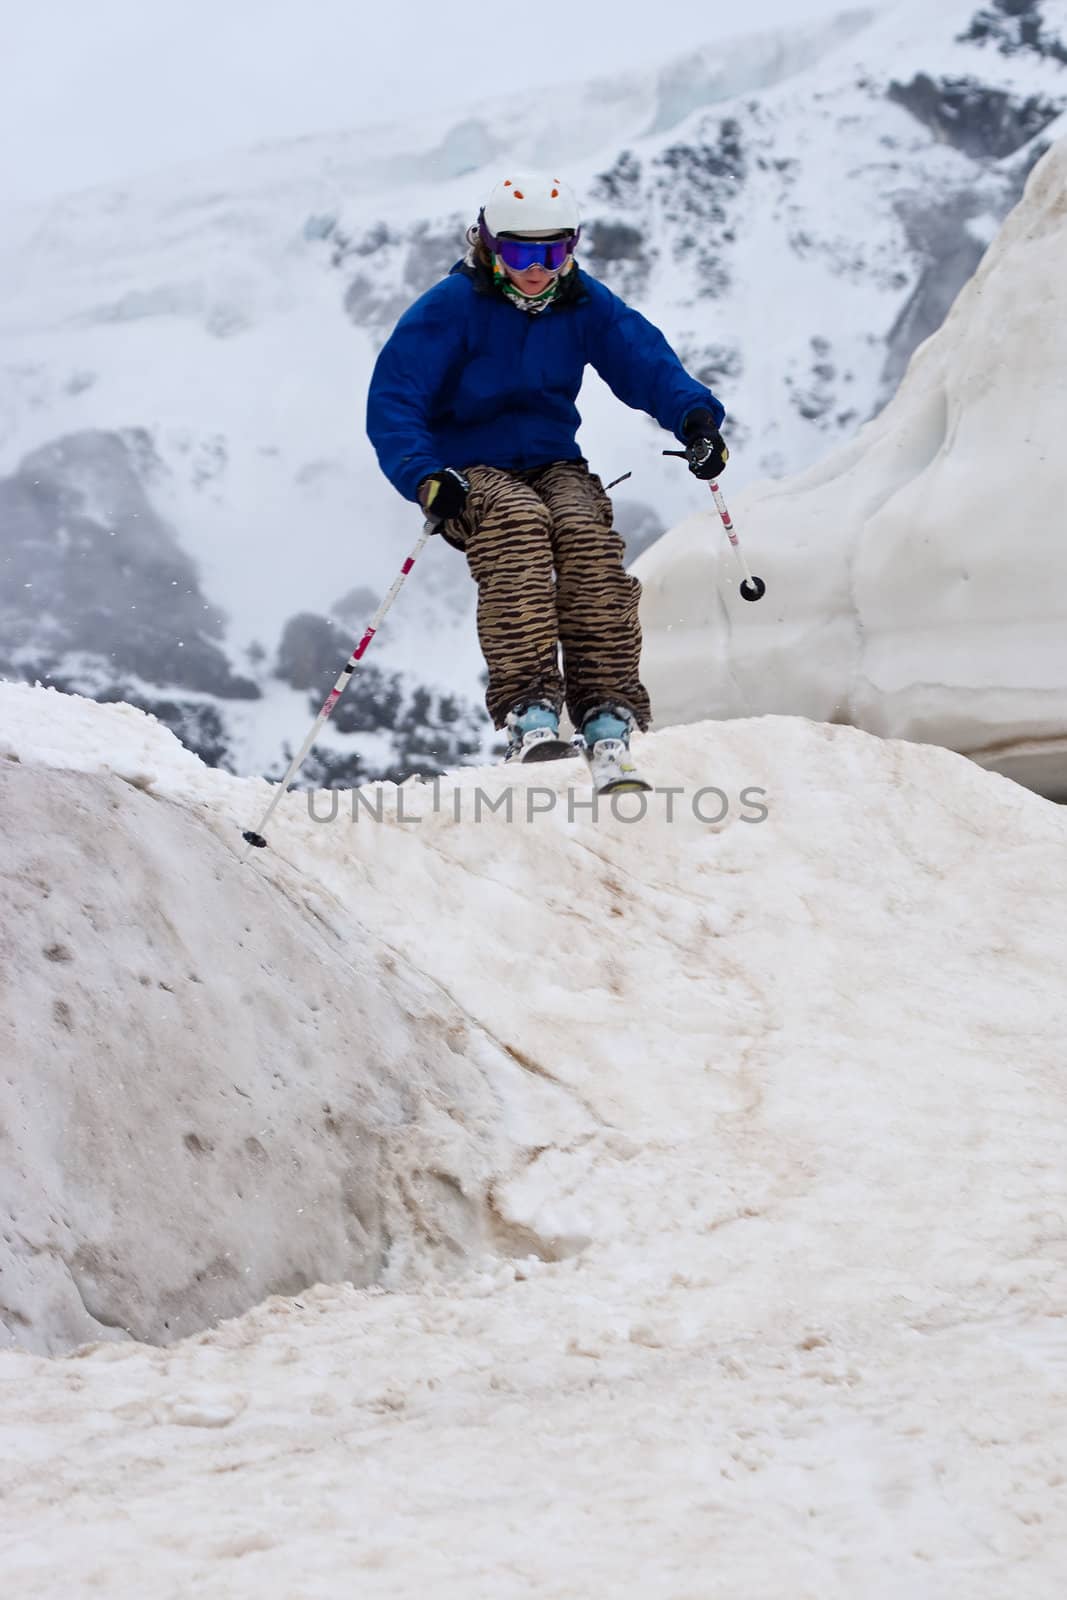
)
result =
(236, 1078)
(917, 577)
(216, 1087)
(739, 1126)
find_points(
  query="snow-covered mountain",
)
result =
(918, 574)
(192, 518)
(714, 1166)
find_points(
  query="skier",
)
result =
(472, 413)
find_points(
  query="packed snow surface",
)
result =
(768, 1115)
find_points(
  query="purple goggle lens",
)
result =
(518, 254)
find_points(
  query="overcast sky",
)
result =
(95, 91)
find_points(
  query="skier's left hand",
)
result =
(705, 447)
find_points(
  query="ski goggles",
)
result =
(518, 254)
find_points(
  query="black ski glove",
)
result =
(705, 447)
(443, 494)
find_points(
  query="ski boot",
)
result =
(606, 731)
(533, 733)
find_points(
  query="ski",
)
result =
(539, 744)
(633, 785)
(612, 769)
(548, 750)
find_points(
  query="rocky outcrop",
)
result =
(1015, 27)
(984, 123)
(97, 596)
(92, 569)
(942, 239)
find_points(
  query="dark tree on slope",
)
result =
(429, 731)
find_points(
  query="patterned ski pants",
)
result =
(550, 574)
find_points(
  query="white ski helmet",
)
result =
(531, 203)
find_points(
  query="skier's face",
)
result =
(532, 262)
(533, 280)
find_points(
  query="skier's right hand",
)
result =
(443, 494)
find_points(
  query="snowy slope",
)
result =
(770, 1115)
(796, 210)
(918, 576)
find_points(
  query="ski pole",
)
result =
(255, 837)
(751, 588)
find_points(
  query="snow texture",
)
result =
(917, 578)
(767, 1117)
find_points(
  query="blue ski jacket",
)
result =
(467, 379)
